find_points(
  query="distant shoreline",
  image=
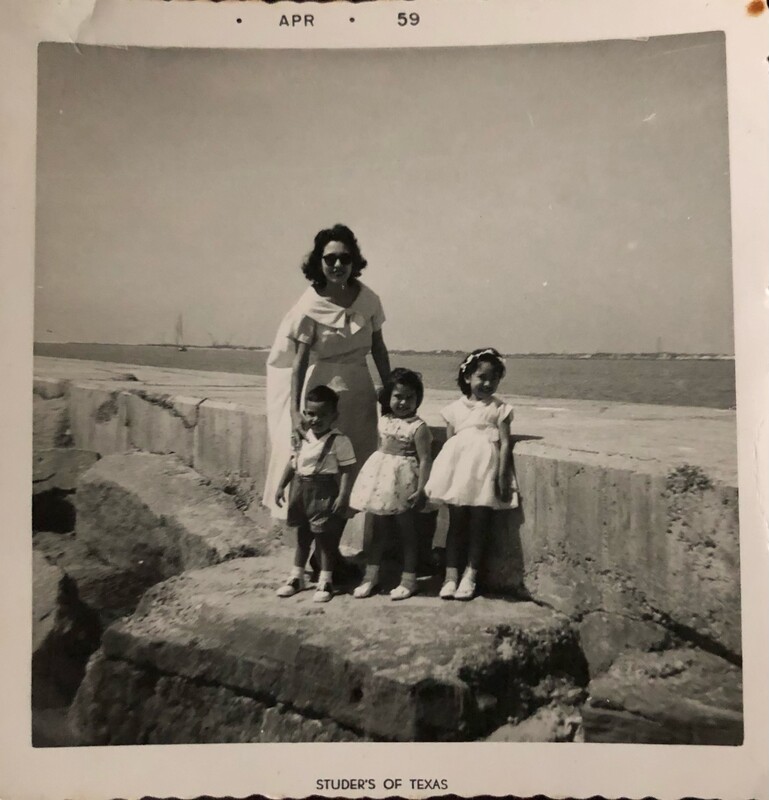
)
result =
(663, 356)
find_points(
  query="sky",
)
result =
(537, 198)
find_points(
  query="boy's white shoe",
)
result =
(323, 593)
(291, 587)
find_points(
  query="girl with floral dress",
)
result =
(473, 473)
(391, 482)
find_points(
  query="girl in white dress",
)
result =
(473, 473)
(391, 482)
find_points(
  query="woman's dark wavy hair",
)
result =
(403, 377)
(482, 355)
(313, 265)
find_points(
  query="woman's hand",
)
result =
(298, 431)
(417, 500)
(504, 488)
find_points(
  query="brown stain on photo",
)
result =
(756, 7)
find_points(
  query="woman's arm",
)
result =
(298, 374)
(504, 480)
(423, 441)
(380, 355)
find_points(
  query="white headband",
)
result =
(475, 356)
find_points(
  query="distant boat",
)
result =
(180, 335)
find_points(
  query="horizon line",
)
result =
(672, 354)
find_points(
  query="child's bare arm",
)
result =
(342, 502)
(449, 430)
(423, 441)
(504, 479)
(285, 479)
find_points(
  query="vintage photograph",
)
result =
(385, 396)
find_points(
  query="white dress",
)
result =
(340, 340)
(391, 475)
(464, 472)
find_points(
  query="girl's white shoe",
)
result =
(401, 593)
(466, 590)
(448, 590)
(366, 589)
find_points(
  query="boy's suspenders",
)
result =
(327, 445)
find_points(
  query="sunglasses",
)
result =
(345, 259)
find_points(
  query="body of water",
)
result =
(683, 382)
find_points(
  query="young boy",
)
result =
(320, 474)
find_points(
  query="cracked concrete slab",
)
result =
(416, 670)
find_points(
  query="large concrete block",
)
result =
(221, 442)
(50, 423)
(696, 578)
(555, 723)
(378, 669)
(629, 541)
(107, 590)
(64, 634)
(676, 697)
(255, 450)
(157, 517)
(54, 480)
(98, 419)
(159, 423)
(59, 468)
(49, 388)
(595, 531)
(150, 708)
(604, 637)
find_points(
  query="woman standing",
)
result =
(324, 339)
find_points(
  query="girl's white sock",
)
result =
(297, 572)
(470, 573)
(409, 580)
(325, 576)
(452, 574)
(372, 574)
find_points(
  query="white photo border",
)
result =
(562, 770)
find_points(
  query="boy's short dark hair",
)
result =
(322, 394)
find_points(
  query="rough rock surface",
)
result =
(59, 468)
(64, 634)
(109, 591)
(680, 696)
(156, 708)
(605, 636)
(50, 423)
(418, 670)
(612, 518)
(658, 546)
(553, 723)
(157, 517)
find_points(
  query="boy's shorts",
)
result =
(310, 500)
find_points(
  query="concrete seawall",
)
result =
(629, 512)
